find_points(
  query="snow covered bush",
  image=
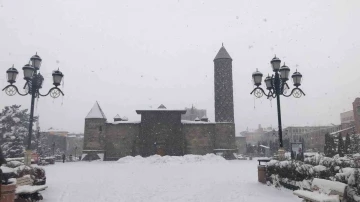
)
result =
(313, 160)
(344, 175)
(298, 175)
(14, 124)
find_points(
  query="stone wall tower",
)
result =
(94, 134)
(223, 84)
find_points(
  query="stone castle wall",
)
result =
(131, 139)
(121, 140)
(199, 138)
(161, 134)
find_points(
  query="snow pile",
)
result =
(319, 168)
(156, 159)
(231, 181)
(317, 196)
(344, 175)
(29, 189)
(327, 186)
(6, 169)
(14, 164)
(272, 162)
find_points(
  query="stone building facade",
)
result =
(59, 144)
(161, 131)
(356, 109)
(240, 142)
(347, 119)
(314, 136)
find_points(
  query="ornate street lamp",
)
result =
(53, 148)
(276, 86)
(34, 81)
(2, 161)
(75, 152)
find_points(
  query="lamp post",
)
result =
(32, 86)
(276, 86)
(75, 151)
(53, 147)
(2, 161)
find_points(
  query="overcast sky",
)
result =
(130, 55)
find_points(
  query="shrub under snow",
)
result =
(298, 175)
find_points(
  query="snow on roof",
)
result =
(204, 117)
(126, 122)
(266, 147)
(117, 116)
(339, 131)
(222, 54)
(125, 118)
(197, 119)
(161, 109)
(51, 129)
(96, 112)
(195, 122)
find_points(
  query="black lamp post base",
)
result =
(281, 154)
(27, 159)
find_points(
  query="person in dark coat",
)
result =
(63, 158)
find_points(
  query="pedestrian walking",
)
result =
(63, 158)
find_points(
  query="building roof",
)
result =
(161, 110)
(162, 107)
(117, 116)
(51, 129)
(96, 112)
(222, 54)
(196, 122)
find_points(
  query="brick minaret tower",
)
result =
(224, 102)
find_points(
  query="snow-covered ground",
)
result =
(190, 178)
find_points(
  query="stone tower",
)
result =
(223, 83)
(94, 133)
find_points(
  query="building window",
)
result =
(100, 128)
(358, 110)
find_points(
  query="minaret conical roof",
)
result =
(222, 54)
(96, 112)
